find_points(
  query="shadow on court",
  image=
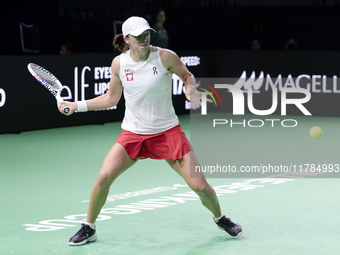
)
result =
(206, 246)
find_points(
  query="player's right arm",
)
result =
(113, 95)
(107, 100)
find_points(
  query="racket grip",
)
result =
(66, 110)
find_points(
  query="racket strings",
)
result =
(49, 78)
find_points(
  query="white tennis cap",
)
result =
(135, 26)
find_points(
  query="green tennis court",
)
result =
(46, 177)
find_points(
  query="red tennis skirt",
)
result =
(171, 143)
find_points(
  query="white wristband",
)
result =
(82, 106)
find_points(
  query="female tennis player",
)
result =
(150, 126)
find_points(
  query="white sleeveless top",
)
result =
(147, 91)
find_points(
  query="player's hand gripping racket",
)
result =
(48, 80)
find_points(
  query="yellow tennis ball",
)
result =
(315, 132)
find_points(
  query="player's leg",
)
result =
(199, 185)
(205, 192)
(115, 163)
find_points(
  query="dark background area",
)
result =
(218, 32)
(191, 24)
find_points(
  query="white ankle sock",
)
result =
(92, 225)
(218, 218)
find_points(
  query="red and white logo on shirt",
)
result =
(129, 76)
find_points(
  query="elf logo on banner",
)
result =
(2, 97)
(129, 76)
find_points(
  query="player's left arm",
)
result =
(172, 63)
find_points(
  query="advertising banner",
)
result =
(26, 105)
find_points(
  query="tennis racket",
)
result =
(48, 80)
